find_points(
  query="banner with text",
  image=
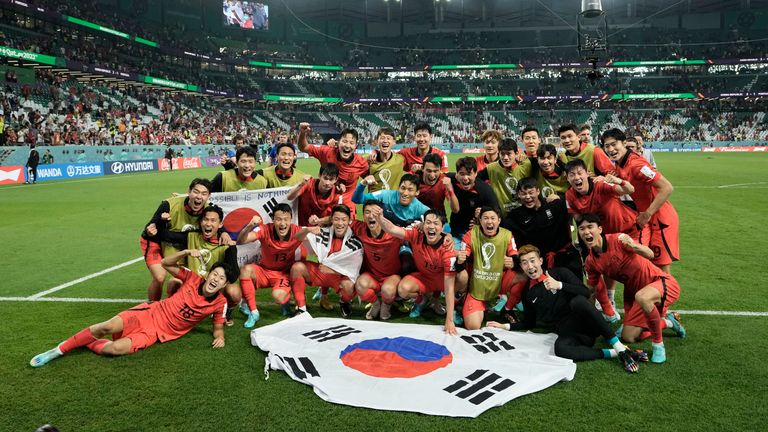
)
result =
(69, 171)
(179, 163)
(119, 167)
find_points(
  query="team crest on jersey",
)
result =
(547, 191)
(648, 172)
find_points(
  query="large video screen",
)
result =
(246, 14)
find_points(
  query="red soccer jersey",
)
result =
(636, 170)
(603, 163)
(381, 255)
(311, 203)
(178, 314)
(412, 156)
(467, 240)
(432, 261)
(602, 200)
(482, 162)
(277, 254)
(349, 171)
(434, 196)
(622, 265)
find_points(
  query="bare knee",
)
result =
(298, 270)
(279, 296)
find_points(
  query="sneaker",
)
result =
(639, 356)
(325, 303)
(629, 364)
(43, 359)
(346, 309)
(416, 310)
(229, 320)
(437, 307)
(519, 307)
(317, 295)
(499, 306)
(384, 312)
(659, 354)
(287, 309)
(244, 309)
(676, 326)
(613, 318)
(402, 306)
(373, 312)
(457, 318)
(300, 311)
(253, 318)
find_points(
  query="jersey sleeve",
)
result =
(603, 165)
(411, 235)
(511, 247)
(445, 161)
(318, 152)
(466, 241)
(220, 316)
(593, 274)
(643, 172)
(185, 273)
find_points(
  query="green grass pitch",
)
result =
(57, 232)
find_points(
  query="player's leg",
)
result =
(367, 287)
(234, 294)
(648, 298)
(281, 291)
(248, 283)
(89, 337)
(299, 279)
(473, 313)
(152, 257)
(388, 294)
(413, 287)
(346, 289)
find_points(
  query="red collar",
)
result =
(538, 280)
(214, 239)
(283, 174)
(189, 210)
(244, 179)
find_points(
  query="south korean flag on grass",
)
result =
(411, 367)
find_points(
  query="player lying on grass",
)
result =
(648, 291)
(166, 320)
(559, 301)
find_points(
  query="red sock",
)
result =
(324, 290)
(249, 292)
(645, 334)
(369, 296)
(345, 298)
(515, 294)
(297, 287)
(601, 294)
(81, 338)
(97, 346)
(654, 321)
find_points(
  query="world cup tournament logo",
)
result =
(385, 175)
(486, 252)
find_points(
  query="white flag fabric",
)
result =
(240, 207)
(411, 367)
(346, 261)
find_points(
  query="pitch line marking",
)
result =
(753, 185)
(83, 279)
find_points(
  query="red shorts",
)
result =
(277, 280)
(320, 279)
(642, 236)
(138, 326)
(472, 304)
(670, 291)
(426, 285)
(664, 241)
(151, 251)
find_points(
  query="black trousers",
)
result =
(32, 173)
(578, 331)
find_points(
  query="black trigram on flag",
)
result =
(324, 237)
(270, 206)
(487, 342)
(479, 386)
(330, 333)
(301, 366)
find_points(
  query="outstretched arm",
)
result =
(294, 193)
(386, 225)
(304, 130)
(218, 336)
(304, 231)
(631, 245)
(246, 234)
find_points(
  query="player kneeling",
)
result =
(166, 320)
(559, 300)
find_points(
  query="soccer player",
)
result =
(339, 257)
(280, 243)
(181, 213)
(531, 141)
(648, 291)
(400, 206)
(651, 197)
(472, 194)
(284, 173)
(317, 196)
(484, 263)
(381, 264)
(549, 171)
(243, 177)
(558, 299)
(504, 174)
(491, 140)
(385, 165)
(595, 158)
(435, 187)
(351, 165)
(414, 155)
(435, 258)
(166, 320)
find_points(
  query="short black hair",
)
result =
(485, 209)
(585, 127)
(422, 126)
(565, 128)
(372, 202)
(589, 218)
(468, 163)
(385, 131)
(245, 150)
(432, 158)
(285, 144)
(201, 181)
(527, 183)
(237, 138)
(283, 207)
(573, 164)
(529, 129)
(413, 178)
(546, 148)
(614, 133)
(440, 216)
(329, 169)
(213, 208)
(230, 273)
(508, 144)
(341, 208)
(349, 131)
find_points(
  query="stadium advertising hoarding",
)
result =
(28, 56)
(181, 163)
(69, 171)
(11, 174)
(734, 149)
(119, 167)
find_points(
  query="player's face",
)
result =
(491, 145)
(282, 138)
(423, 139)
(589, 232)
(529, 197)
(282, 222)
(506, 158)
(432, 227)
(547, 162)
(631, 146)
(370, 220)
(430, 173)
(285, 158)
(570, 141)
(466, 177)
(347, 145)
(198, 196)
(584, 136)
(340, 222)
(215, 282)
(408, 192)
(326, 183)
(385, 143)
(578, 180)
(245, 165)
(531, 264)
(640, 141)
(531, 141)
(615, 149)
(210, 224)
(489, 221)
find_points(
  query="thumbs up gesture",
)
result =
(551, 284)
